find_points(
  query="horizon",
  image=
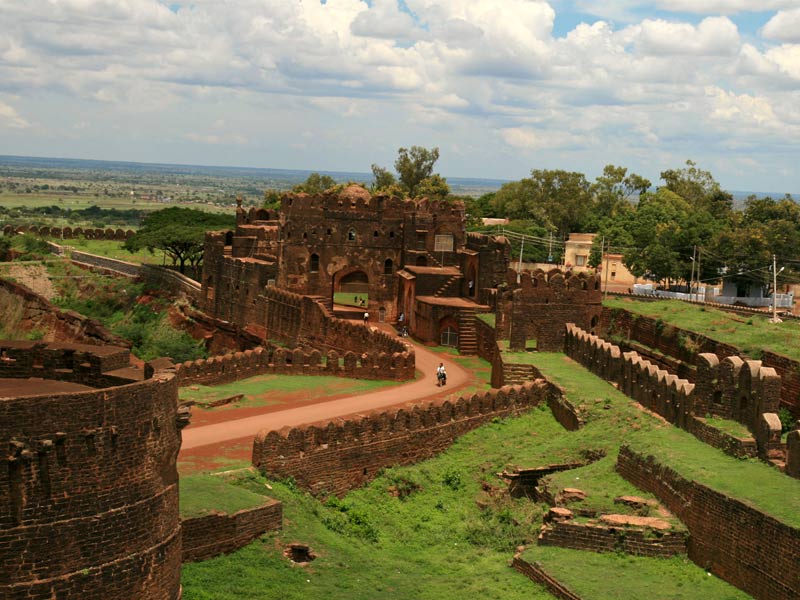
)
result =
(738, 194)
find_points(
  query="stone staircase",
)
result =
(447, 285)
(516, 374)
(467, 338)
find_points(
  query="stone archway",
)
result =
(351, 287)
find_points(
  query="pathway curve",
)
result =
(413, 392)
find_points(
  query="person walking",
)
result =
(366, 317)
(441, 375)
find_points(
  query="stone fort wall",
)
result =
(69, 233)
(346, 454)
(88, 484)
(686, 345)
(736, 542)
(744, 391)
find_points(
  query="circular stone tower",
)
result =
(88, 482)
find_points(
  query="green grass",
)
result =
(730, 427)
(348, 299)
(111, 249)
(751, 333)
(604, 576)
(488, 318)
(264, 390)
(203, 494)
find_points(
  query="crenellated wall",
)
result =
(88, 484)
(684, 346)
(281, 361)
(346, 454)
(305, 321)
(540, 304)
(736, 542)
(69, 233)
(734, 389)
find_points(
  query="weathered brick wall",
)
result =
(686, 345)
(174, 281)
(736, 542)
(89, 494)
(59, 325)
(220, 533)
(69, 233)
(541, 304)
(488, 350)
(607, 538)
(537, 574)
(344, 455)
(103, 262)
(280, 361)
(730, 445)
(78, 363)
(793, 454)
(744, 391)
(305, 321)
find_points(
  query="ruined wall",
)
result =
(493, 259)
(608, 538)
(36, 312)
(89, 493)
(793, 454)
(280, 361)
(305, 321)
(686, 345)
(736, 542)
(163, 278)
(543, 303)
(69, 233)
(536, 573)
(220, 533)
(733, 389)
(344, 455)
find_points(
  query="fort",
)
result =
(93, 442)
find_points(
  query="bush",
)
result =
(787, 420)
(452, 478)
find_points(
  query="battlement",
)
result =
(281, 361)
(344, 454)
(68, 233)
(556, 283)
(94, 469)
(353, 199)
(732, 388)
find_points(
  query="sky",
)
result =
(501, 87)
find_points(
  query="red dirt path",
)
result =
(233, 438)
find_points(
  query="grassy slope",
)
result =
(269, 389)
(438, 542)
(203, 494)
(749, 333)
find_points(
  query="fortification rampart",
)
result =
(220, 533)
(599, 537)
(686, 345)
(24, 308)
(541, 304)
(88, 485)
(344, 455)
(745, 391)
(305, 321)
(746, 547)
(69, 233)
(281, 361)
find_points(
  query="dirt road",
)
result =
(413, 392)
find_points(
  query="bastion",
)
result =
(88, 483)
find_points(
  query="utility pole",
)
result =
(550, 249)
(519, 264)
(775, 318)
(699, 263)
(691, 278)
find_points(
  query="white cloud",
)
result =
(714, 36)
(9, 117)
(725, 7)
(784, 26)
(217, 139)
(741, 108)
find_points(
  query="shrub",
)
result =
(452, 478)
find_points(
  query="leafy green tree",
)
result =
(434, 186)
(383, 179)
(613, 193)
(315, 184)
(5, 246)
(414, 165)
(179, 232)
(699, 189)
(272, 199)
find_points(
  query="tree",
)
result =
(613, 193)
(700, 189)
(272, 199)
(413, 165)
(315, 184)
(434, 186)
(382, 179)
(179, 232)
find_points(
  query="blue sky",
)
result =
(500, 86)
